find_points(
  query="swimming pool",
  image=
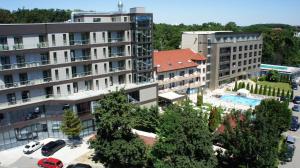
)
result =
(240, 100)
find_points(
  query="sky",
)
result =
(243, 12)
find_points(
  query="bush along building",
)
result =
(48, 67)
(230, 56)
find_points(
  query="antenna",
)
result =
(120, 6)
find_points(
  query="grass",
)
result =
(280, 85)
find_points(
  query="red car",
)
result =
(50, 163)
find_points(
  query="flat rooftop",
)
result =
(279, 68)
(205, 32)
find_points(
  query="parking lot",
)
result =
(15, 158)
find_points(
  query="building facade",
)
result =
(230, 56)
(48, 67)
(181, 71)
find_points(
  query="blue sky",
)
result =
(243, 12)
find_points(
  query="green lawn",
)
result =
(285, 86)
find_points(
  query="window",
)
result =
(251, 47)
(239, 63)
(69, 89)
(129, 78)
(105, 67)
(97, 84)
(245, 62)
(56, 75)
(104, 52)
(53, 40)
(240, 56)
(203, 70)
(233, 64)
(111, 80)
(66, 56)
(94, 37)
(250, 54)
(67, 73)
(129, 51)
(20, 61)
(25, 96)
(23, 77)
(125, 19)
(258, 60)
(129, 64)
(88, 85)
(103, 36)
(105, 81)
(96, 69)
(259, 53)
(234, 57)
(181, 73)
(160, 77)
(260, 46)
(11, 98)
(234, 49)
(65, 39)
(191, 71)
(171, 75)
(209, 51)
(246, 47)
(255, 46)
(95, 53)
(255, 53)
(233, 71)
(54, 57)
(240, 48)
(58, 90)
(250, 61)
(245, 55)
(121, 79)
(75, 87)
(96, 19)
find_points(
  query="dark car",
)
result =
(79, 165)
(296, 100)
(294, 86)
(294, 124)
(289, 153)
(296, 108)
(53, 146)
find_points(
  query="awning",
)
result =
(171, 96)
(243, 92)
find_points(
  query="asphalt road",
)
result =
(296, 159)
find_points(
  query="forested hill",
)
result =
(280, 46)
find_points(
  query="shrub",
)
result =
(278, 92)
(256, 89)
(251, 90)
(269, 91)
(282, 93)
(235, 86)
(274, 92)
(265, 90)
(248, 86)
(260, 89)
(273, 76)
(243, 85)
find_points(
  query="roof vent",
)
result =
(179, 62)
(158, 65)
(189, 61)
(170, 64)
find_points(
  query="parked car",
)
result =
(50, 163)
(296, 100)
(290, 140)
(296, 108)
(294, 86)
(289, 153)
(294, 124)
(284, 98)
(79, 165)
(53, 146)
(32, 147)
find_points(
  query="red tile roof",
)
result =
(176, 59)
(232, 121)
(150, 141)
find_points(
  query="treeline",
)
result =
(280, 46)
(34, 15)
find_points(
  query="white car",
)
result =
(32, 146)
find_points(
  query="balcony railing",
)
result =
(18, 46)
(81, 58)
(24, 65)
(83, 74)
(25, 83)
(117, 69)
(4, 47)
(115, 40)
(117, 54)
(79, 42)
(43, 45)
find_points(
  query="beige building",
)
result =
(181, 71)
(230, 56)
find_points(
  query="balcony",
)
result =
(43, 45)
(117, 54)
(116, 39)
(117, 69)
(179, 78)
(4, 47)
(18, 46)
(79, 42)
(81, 58)
(25, 83)
(24, 65)
(82, 74)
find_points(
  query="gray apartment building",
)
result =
(230, 56)
(48, 67)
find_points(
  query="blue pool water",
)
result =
(241, 100)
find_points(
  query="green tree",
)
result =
(240, 86)
(260, 89)
(278, 92)
(273, 76)
(269, 91)
(115, 144)
(288, 94)
(265, 90)
(71, 125)
(146, 119)
(274, 92)
(251, 90)
(232, 26)
(235, 86)
(243, 85)
(184, 139)
(256, 89)
(214, 119)
(292, 95)
(282, 93)
(199, 100)
(248, 86)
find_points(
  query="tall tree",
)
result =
(146, 119)
(71, 124)
(115, 144)
(184, 139)
(214, 119)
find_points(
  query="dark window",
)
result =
(234, 57)
(251, 47)
(191, 71)
(246, 47)
(245, 55)
(171, 75)
(234, 49)
(161, 77)
(96, 19)
(240, 48)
